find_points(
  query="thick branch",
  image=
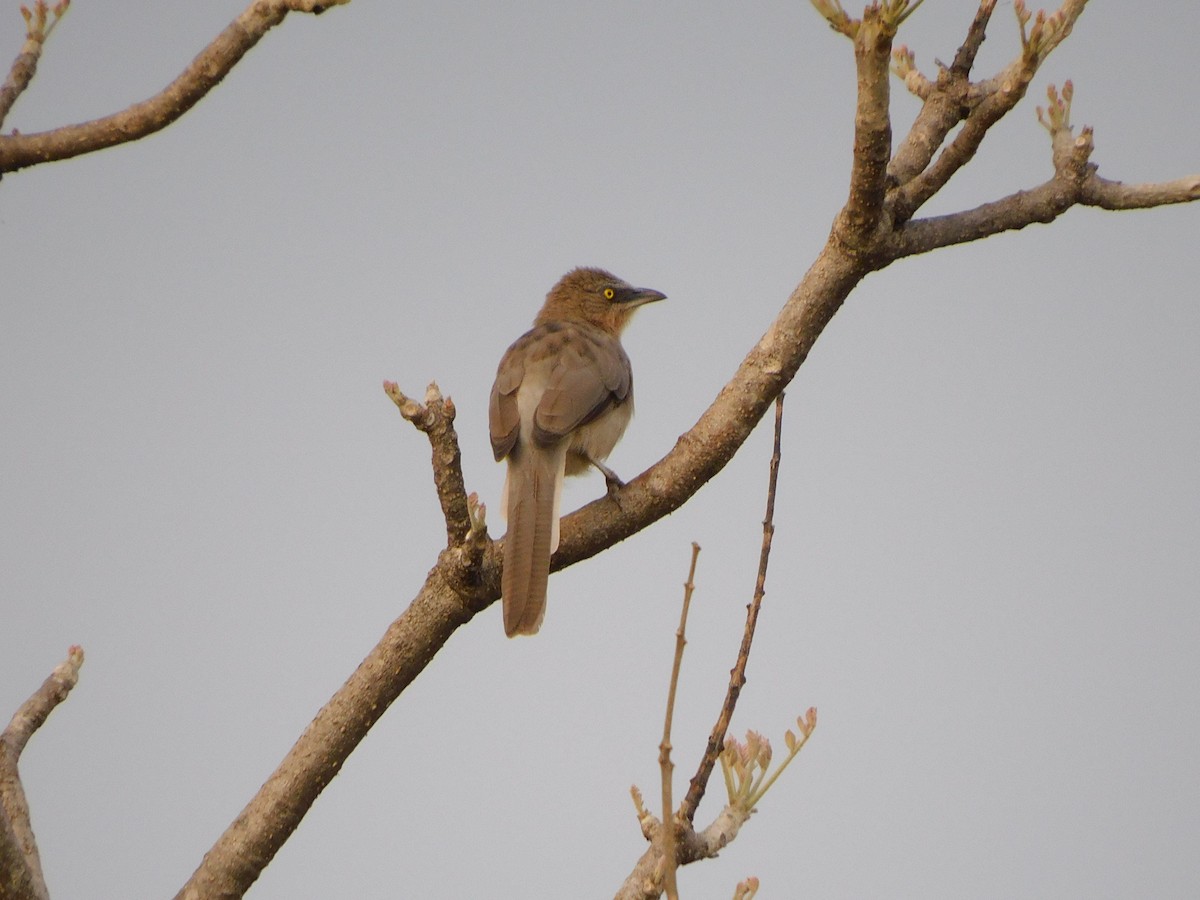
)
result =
(913, 195)
(20, 865)
(1042, 204)
(206, 71)
(1101, 192)
(644, 882)
(711, 443)
(251, 842)
(856, 224)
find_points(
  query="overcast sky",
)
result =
(987, 559)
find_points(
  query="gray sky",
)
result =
(986, 566)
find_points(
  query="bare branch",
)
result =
(20, 865)
(644, 882)
(255, 836)
(664, 748)
(856, 224)
(988, 103)
(964, 59)
(39, 22)
(1101, 192)
(206, 71)
(1042, 204)
(1075, 183)
(947, 102)
(737, 677)
(436, 419)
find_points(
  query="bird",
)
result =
(562, 398)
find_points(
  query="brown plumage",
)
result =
(562, 398)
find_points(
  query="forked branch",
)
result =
(674, 839)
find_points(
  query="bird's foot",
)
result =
(614, 490)
(611, 480)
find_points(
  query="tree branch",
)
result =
(947, 102)
(964, 59)
(1075, 183)
(436, 419)
(867, 236)
(20, 866)
(206, 71)
(988, 103)
(855, 226)
(39, 22)
(737, 676)
(1042, 204)
(1105, 194)
(268, 820)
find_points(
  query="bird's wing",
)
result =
(504, 417)
(591, 374)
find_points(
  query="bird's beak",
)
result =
(642, 296)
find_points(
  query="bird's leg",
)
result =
(611, 479)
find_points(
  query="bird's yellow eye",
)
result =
(609, 293)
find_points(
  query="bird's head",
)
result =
(596, 297)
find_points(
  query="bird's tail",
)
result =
(533, 488)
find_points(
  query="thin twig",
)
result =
(964, 59)
(737, 677)
(664, 749)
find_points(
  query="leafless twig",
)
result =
(737, 676)
(664, 748)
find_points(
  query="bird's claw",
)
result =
(614, 485)
(611, 480)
